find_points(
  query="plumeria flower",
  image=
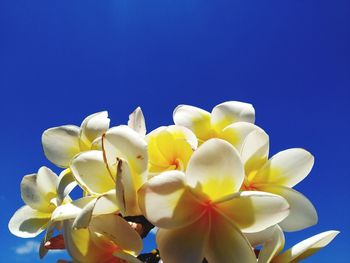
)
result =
(39, 193)
(62, 143)
(111, 177)
(272, 240)
(278, 175)
(170, 148)
(229, 120)
(108, 239)
(201, 214)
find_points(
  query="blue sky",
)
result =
(61, 60)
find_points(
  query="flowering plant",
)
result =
(206, 184)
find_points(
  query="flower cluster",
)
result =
(206, 183)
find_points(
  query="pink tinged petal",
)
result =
(51, 227)
(119, 231)
(306, 247)
(37, 190)
(27, 222)
(302, 213)
(61, 144)
(254, 211)
(166, 201)
(186, 244)
(272, 246)
(215, 169)
(91, 173)
(229, 112)
(93, 127)
(226, 243)
(195, 119)
(286, 168)
(66, 183)
(122, 142)
(237, 133)
(137, 121)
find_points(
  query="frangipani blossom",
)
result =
(278, 175)
(170, 148)
(201, 213)
(223, 122)
(273, 240)
(108, 239)
(62, 143)
(39, 193)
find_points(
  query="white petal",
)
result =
(287, 168)
(195, 119)
(254, 211)
(66, 184)
(227, 244)
(127, 198)
(27, 222)
(84, 217)
(123, 142)
(229, 112)
(215, 169)
(71, 210)
(93, 127)
(186, 244)
(255, 149)
(307, 247)
(137, 121)
(91, 173)
(37, 190)
(258, 238)
(116, 229)
(61, 144)
(302, 213)
(166, 202)
(272, 246)
(106, 204)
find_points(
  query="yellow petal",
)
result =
(215, 169)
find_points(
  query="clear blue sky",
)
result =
(61, 60)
